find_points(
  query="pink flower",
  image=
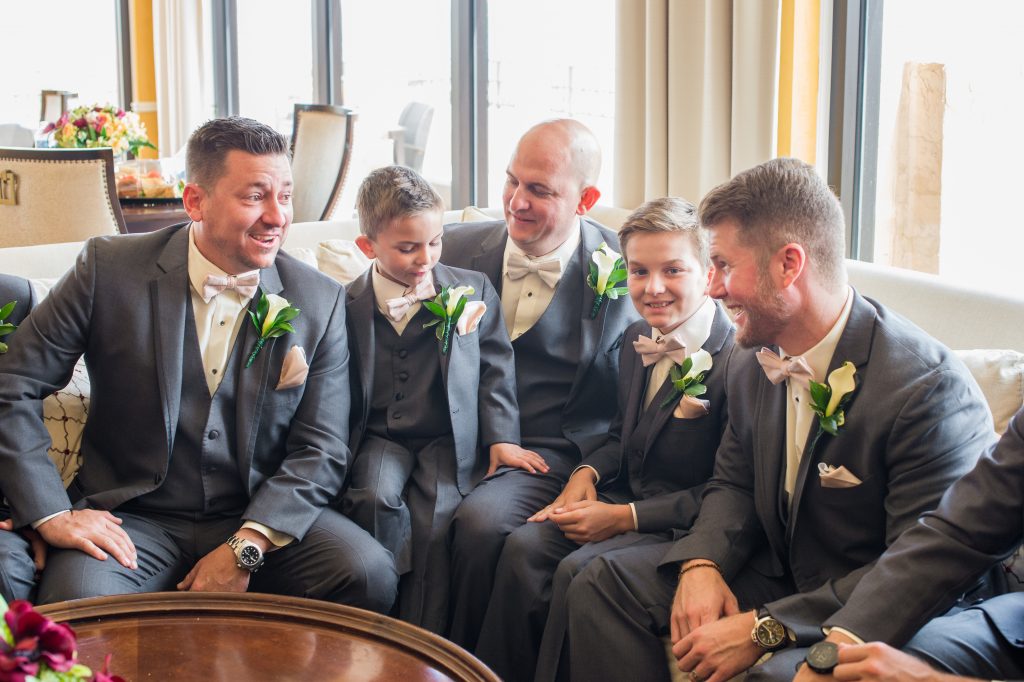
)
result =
(80, 122)
(15, 667)
(36, 639)
(103, 675)
(120, 113)
(49, 127)
(98, 125)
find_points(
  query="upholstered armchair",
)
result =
(321, 153)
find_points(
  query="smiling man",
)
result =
(206, 466)
(566, 360)
(794, 514)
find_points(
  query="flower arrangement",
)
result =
(100, 126)
(35, 649)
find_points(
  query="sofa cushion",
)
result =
(1000, 374)
(341, 260)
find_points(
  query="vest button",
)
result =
(213, 434)
(396, 415)
(403, 353)
(399, 396)
(403, 376)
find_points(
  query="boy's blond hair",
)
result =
(390, 193)
(669, 214)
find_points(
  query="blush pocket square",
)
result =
(294, 369)
(836, 477)
(470, 318)
(691, 408)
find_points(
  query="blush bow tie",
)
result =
(398, 307)
(779, 369)
(651, 351)
(548, 269)
(245, 284)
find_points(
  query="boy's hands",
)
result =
(507, 454)
(581, 486)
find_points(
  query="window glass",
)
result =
(950, 139)
(549, 60)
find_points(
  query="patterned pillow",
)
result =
(64, 415)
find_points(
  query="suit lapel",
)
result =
(637, 387)
(491, 256)
(769, 437)
(854, 346)
(361, 307)
(591, 330)
(443, 277)
(169, 294)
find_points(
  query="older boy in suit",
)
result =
(646, 480)
(841, 433)
(422, 406)
(566, 350)
(211, 440)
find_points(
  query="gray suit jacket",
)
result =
(666, 493)
(123, 305)
(478, 373)
(916, 422)
(588, 412)
(13, 288)
(980, 521)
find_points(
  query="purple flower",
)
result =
(104, 675)
(50, 127)
(81, 122)
(36, 639)
(14, 666)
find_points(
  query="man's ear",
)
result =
(588, 198)
(192, 199)
(793, 259)
(365, 245)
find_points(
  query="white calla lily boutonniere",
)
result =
(829, 400)
(688, 377)
(607, 269)
(447, 307)
(6, 327)
(272, 319)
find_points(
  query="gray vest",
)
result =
(202, 477)
(408, 399)
(546, 359)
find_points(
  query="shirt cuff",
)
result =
(842, 631)
(636, 524)
(36, 524)
(597, 476)
(277, 538)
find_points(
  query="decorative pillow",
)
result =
(1000, 373)
(64, 415)
(307, 256)
(341, 260)
(472, 214)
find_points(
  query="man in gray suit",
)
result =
(566, 358)
(218, 454)
(840, 435)
(21, 555)
(979, 522)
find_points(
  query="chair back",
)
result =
(51, 196)
(321, 153)
(411, 137)
(14, 135)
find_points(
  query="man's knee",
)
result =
(780, 666)
(17, 571)
(376, 581)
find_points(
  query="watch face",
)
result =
(250, 555)
(770, 633)
(822, 657)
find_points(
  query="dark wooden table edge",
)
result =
(448, 657)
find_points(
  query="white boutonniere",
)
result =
(447, 307)
(6, 327)
(828, 401)
(271, 319)
(687, 377)
(606, 270)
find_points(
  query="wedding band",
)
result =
(694, 677)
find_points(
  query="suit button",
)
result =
(212, 435)
(399, 396)
(156, 479)
(403, 353)
(396, 415)
(403, 376)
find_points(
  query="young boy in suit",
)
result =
(433, 379)
(644, 485)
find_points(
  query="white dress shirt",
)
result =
(799, 415)
(524, 300)
(384, 289)
(693, 332)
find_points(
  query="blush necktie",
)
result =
(651, 351)
(245, 284)
(779, 369)
(398, 307)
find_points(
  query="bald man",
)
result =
(566, 362)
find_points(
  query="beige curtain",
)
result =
(696, 94)
(182, 52)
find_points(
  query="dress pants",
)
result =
(17, 570)
(497, 506)
(336, 561)
(404, 494)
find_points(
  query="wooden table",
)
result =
(146, 218)
(215, 636)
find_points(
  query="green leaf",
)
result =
(3, 347)
(592, 276)
(674, 396)
(262, 307)
(675, 373)
(820, 393)
(439, 332)
(6, 311)
(687, 365)
(695, 389)
(459, 307)
(435, 308)
(829, 424)
(6, 328)
(615, 292)
(432, 323)
(445, 295)
(255, 322)
(286, 315)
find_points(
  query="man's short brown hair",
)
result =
(669, 214)
(209, 144)
(393, 192)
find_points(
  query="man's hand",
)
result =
(580, 486)
(592, 521)
(702, 597)
(218, 571)
(94, 532)
(34, 539)
(719, 651)
(876, 662)
(508, 454)
(807, 675)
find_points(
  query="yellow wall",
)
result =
(798, 79)
(143, 71)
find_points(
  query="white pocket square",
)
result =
(470, 318)
(294, 369)
(691, 408)
(836, 477)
